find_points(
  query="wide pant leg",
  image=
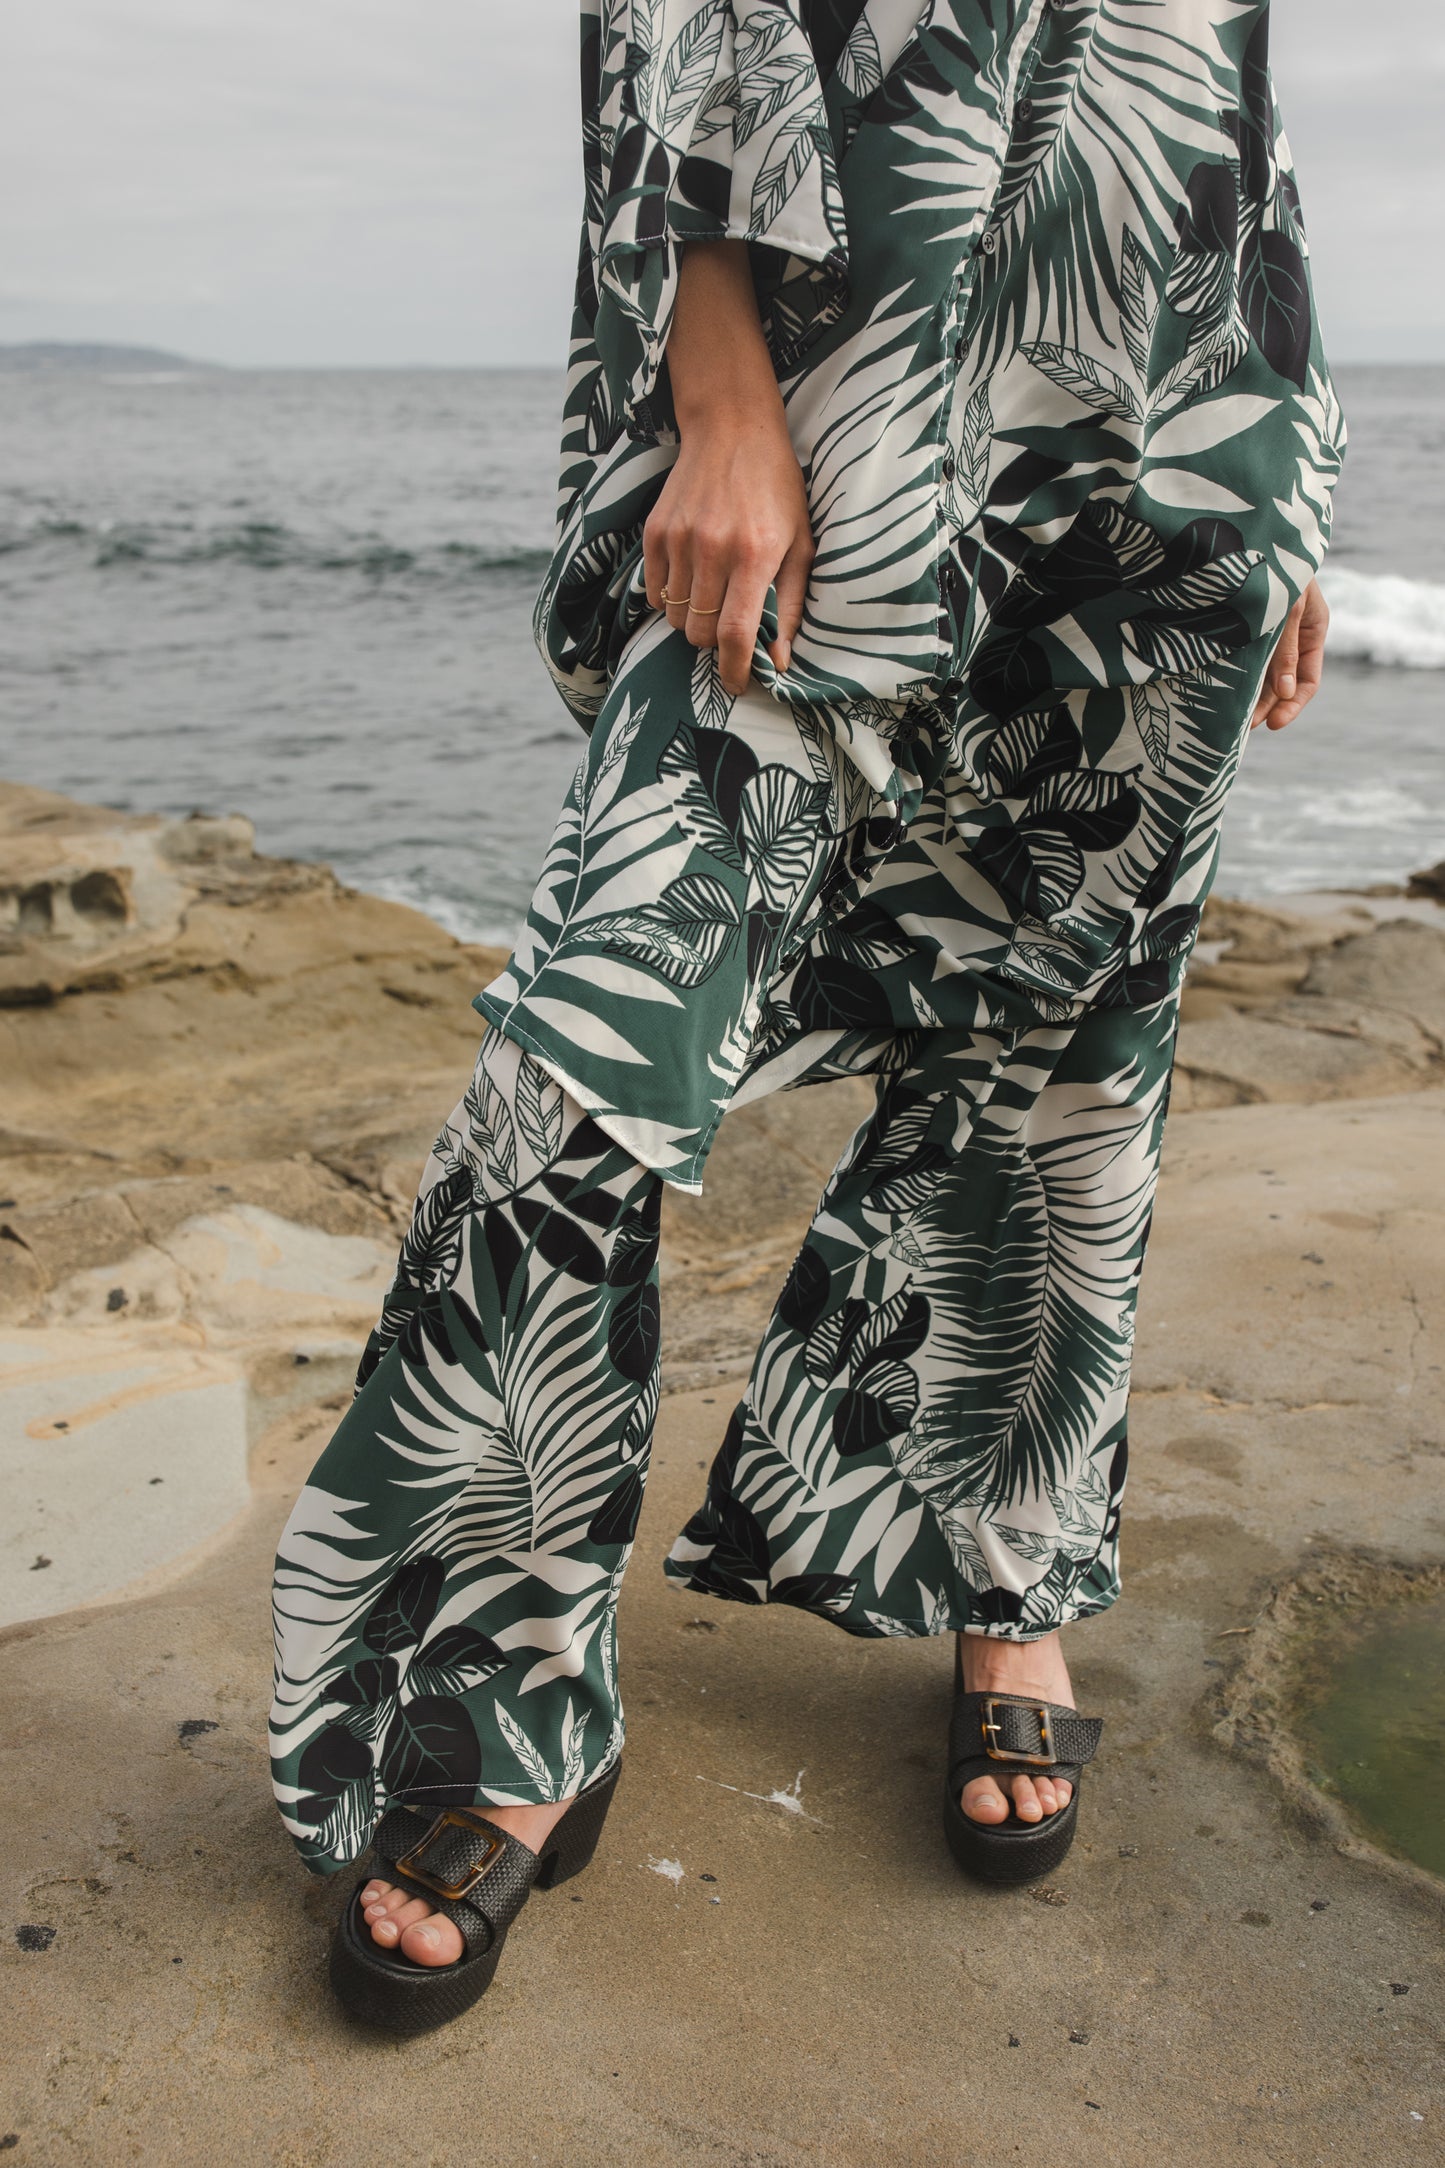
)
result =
(933, 1434)
(446, 1587)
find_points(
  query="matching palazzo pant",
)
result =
(933, 1434)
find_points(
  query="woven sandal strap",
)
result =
(476, 1875)
(1011, 1734)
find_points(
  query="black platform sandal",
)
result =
(475, 1873)
(1001, 1735)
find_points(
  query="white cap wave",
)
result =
(1382, 618)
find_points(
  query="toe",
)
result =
(1026, 1800)
(432, 1941)
(1063, 1790)
(984, 1802)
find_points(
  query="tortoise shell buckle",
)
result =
(991, 1727)
(492, 1840)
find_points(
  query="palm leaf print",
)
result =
(685, 935)
(792, 151)
(1092, 382)
(687, 68)
(1136, 305)
(490, 1122)
(767, 88)
(860, 69)
(527, 1753)
(538, 1107)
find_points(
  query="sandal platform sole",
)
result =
(1009, 1852)
(393, 1995)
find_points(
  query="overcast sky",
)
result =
(384, 181)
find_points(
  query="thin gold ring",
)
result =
(674, 602)
(705, 613)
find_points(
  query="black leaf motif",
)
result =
(996, 1606)
(1276, 299)
(815, 1591)
(633, 1332)
(1256, 117)
(1207, 221)
(1023, 475)
(374, 1679)
(457, 1660)
(1030, 748)
(431, 1250)
(405, 1608)
(634, 1252)
(829, 1341)
(913, 1185)
(718, 763)
(1093, 808)
(1136, 985)
(827, 992)
(615, 1520)
(805, 1291)
(431, 1748)
(1177, 643)
(893, 1332)
(596, 1206)
(329, 1765)
(569, 1248)
(1033, 866)
(1010, 674)
(865, 1419)
(1162, 879)
(1197, 544)
(504, 1250)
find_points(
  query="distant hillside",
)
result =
(65, 354)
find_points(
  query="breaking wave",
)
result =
(267, 545)
(1381, 618)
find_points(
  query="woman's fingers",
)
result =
(1297, 665)
(1314, 623)
(676, 592)
(654, 562)
(1279, 678)
(667, 569)
(738, 622)
(792, 590)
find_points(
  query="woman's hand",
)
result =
(732, 519)
(1293, 676)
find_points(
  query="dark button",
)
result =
(960, 348)
(950, 466)
(1023, 109)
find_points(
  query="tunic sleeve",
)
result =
(702, 120)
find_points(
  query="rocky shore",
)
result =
(220, 1076)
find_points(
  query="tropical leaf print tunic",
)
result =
(1035, 283)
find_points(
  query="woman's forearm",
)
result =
(732, 518)
(717, 359)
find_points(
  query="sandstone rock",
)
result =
(1347, 1002)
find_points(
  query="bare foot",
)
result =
(399, 1920)
(1016, 1667)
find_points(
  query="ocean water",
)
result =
(306, 596)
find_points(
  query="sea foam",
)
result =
(1380, 617)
